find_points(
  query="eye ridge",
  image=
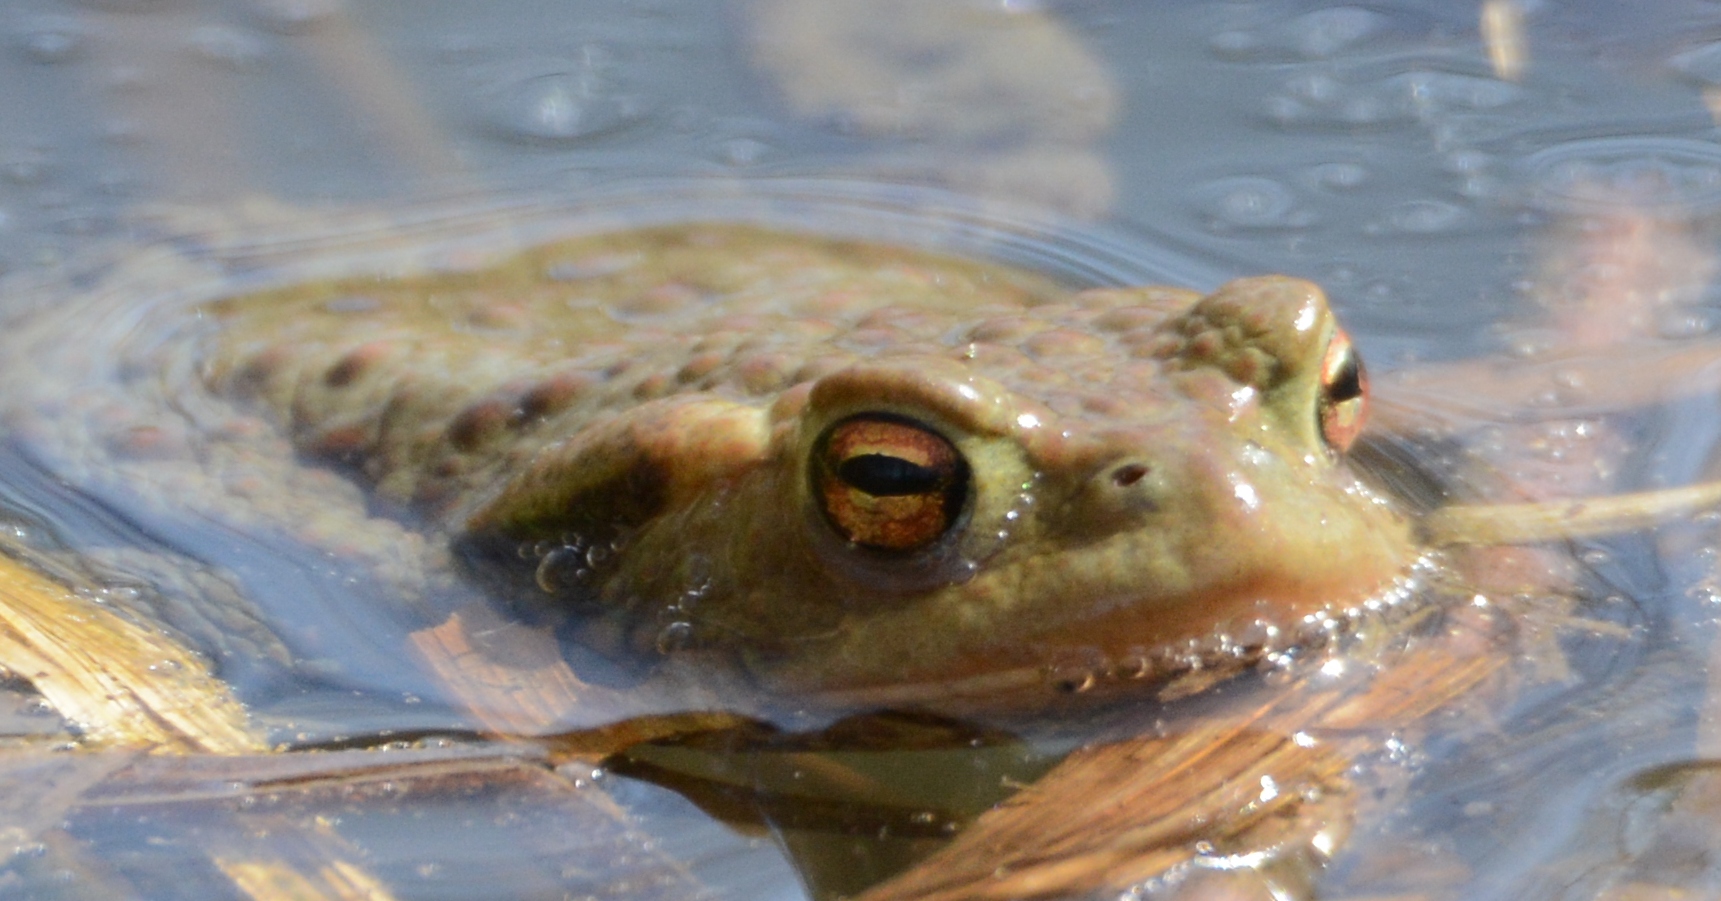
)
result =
(885, 475)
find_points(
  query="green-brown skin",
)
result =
(1149, 471)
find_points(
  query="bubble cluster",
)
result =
(1653, 173)
(571, 564)
(1319, 34)
(1259, 644)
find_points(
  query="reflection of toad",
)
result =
(998, 101)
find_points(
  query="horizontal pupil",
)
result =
(1347, 382)
(882, 475)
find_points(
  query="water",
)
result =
(1452, 214)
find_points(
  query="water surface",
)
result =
(1453, 213)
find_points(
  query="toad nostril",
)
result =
(1128, 474)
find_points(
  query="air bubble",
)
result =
(1135, 664)
(674, 637)
(1315, 87)
(745, 151)
(561, 569)
(1446, 91)
(1320, 101)
(1077, 674)
(1257, 635)
(119, 592)
(1421, 217)
(1339, 176)
(1074, 683)
(50, 40)
(294, 16)
(563, 109)
(1675, 324)
(1218, 647)
(1251, 202)
(1235, 45)
(1325, 32)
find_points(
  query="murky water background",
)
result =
(1376, 150)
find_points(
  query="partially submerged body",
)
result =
(868, 474)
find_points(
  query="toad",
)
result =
(866, 475)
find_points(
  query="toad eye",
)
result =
(889, 483)
(1343, 402)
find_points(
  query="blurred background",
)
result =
(1403, 154)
